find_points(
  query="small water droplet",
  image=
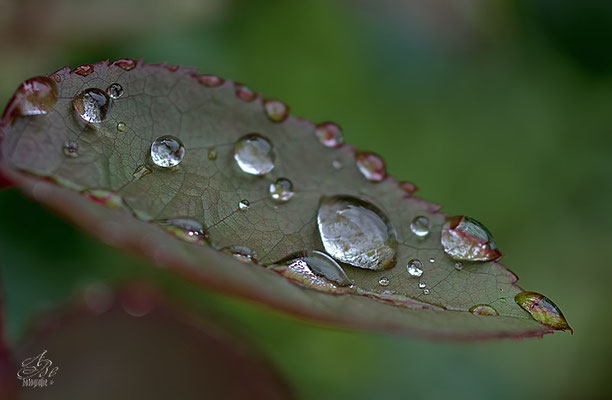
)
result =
(212, 154)
(466, 239)
(415, 268)
(356, 232)
(92, 105)
(388, 292)
(432, 260)
(542, 309)
(329, 134)
(244, 205)
(371, 166)
(84, 69)
(141, 171)
(121, 126)
(167, 151)
(420, 226)
(35, 96)
(254, 154)
(458, 265)
(281, 190)
(105, 197)
(276, 110)
(425, 291)
(241, 253)
(483, 309)
(125, 63)
(71, 148)
(185, 229)
(408, 187)
(115, 91)
(383, 281)
(57, 78)
(337, 164)
(244, 93)
(210, 80)
(422, 285)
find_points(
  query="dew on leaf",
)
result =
(210, 80)
(458, 265)
(35, 96)
(542, 309)
(241, 253)
(276, 110)
(422, 285)
(84, 69)
(167, 151)
(185, 229)
(244, 93)
(432, 260)
(420, 226)
(212, 154)
(337, 164)
(415, 268)
(70, 148)
(320, 264)
(92, 105)
(371, 166)
(466, 239)
(141, 171)
(329, 134)
(408, 187)
(114, 91)
(254, 154)
(356, 232)
(384, 281)
(125, 63)
(105, 197)
(426, 291)
(244, 205)
(483, 309)
(281, 190)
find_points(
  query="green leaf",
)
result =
(98, 172)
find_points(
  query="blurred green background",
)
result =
(498, 110)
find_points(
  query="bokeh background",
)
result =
(498, 110)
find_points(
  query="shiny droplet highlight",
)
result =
(186, 229)
(466, 239)
(329, 134)
(415, 268)
(371, 166)
(167, 151)
(254, 154)
(420, 226)
(542, 309)
(281, 190)
(114, 91)
(93, 105)
(276, 110)
(483, 309)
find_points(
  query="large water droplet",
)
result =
(254, 154)
(483, 309)
(356, 232)
(35, 96)
(71, 148)
(167, 151)
(320, 264)
(542, 309)
(115, 91)
(241, 253)
(415, 268)
(185, 229)
(92, 105)
(420, 226)
(244, 205)
(371, 166)
(464, 238)
(329, 134)
(281, 190)
(276, 110)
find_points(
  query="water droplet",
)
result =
(337, 164)
(483, 309)
(422, 285)
(115, 91)
(57, 78)
(125, 63)
(244, 93)
(408, 187)
(71, 148)
(141, 171)
(276, 110)
(415, 268)
(466, 239)
(371, 166)
(425, 291)
(212, 154)
(35, 96)
(121, 126)
(244, 205)
(103, 196)
(388, 292)
(329, 134)
(458, 265)
(383, 281)
(167, 151)
(210, 80)
(356, 232)
(254, 154)
(281, 190)
(93, 105)
(84, 69)
(542, 309)
(420, 226)
(185, 229)
(241, 253)
(432, 260)
(320, 264)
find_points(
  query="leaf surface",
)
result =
(209, 115)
